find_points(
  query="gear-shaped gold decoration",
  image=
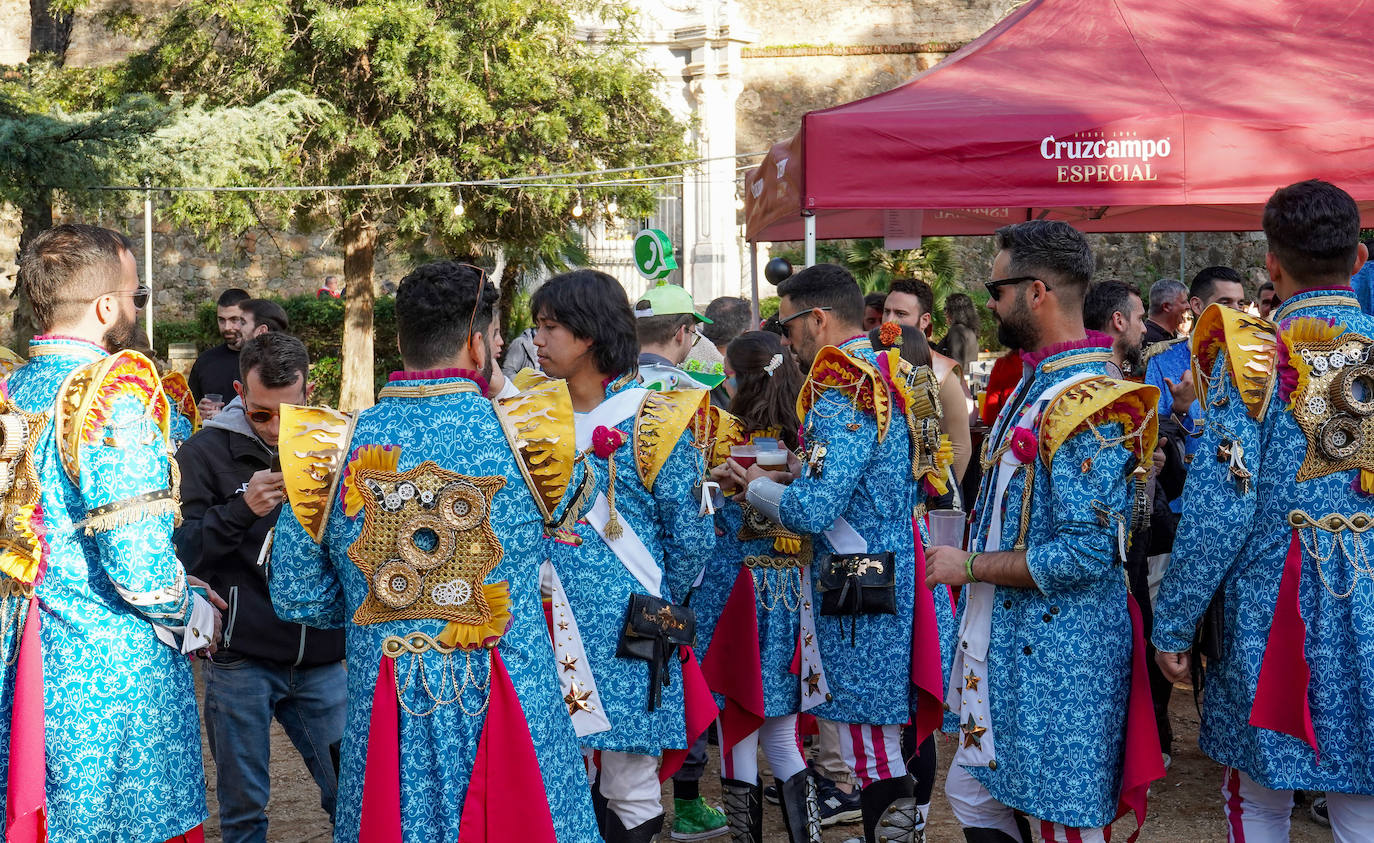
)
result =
(426, 549)
(1333, 401)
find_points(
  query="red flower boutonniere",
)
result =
(605, 441)
(1023, 445)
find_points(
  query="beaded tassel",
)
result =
(613, 528)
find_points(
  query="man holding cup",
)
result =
(854, 490)
(1043, 667)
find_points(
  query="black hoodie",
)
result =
(220, 540)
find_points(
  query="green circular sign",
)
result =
(654, 254)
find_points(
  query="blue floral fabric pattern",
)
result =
(318, 585)
(1059, 658)
(122, 730)
(668, 522)
(777, 597)
(867, 658)
(1243, 565)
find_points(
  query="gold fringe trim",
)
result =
(134, 512)
(613, 528)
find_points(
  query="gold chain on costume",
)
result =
(416, 644)
(1338, 526)
(769, 591)
(13, 612)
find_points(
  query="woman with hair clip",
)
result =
(913, 347)
(751, 597)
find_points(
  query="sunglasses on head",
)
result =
(477, 300)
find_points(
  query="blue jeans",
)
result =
(242, 695)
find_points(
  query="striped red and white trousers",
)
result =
(1257, 814)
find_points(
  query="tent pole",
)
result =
(754, 283)
(1182, 257)
(809, 220)
(148, 262)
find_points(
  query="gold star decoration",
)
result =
(569, 664)
(562, 626)
(809, 638)
(971, 681)
(973, 733)
(577, 700)
(813, 682)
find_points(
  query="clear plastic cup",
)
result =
(946, 527)
(743, 454)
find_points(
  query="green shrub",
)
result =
(319, 324)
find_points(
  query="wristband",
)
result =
(968, 568)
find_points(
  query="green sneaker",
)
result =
(693, 819)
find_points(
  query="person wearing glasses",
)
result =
(418, 524)
(1043, 667)
(231, 493)
(629, 563)
(97, 699)
(854, 492)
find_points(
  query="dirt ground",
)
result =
(1184, 808)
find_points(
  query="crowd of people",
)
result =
(509, 604)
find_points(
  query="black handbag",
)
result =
(858, 584)
(653, 631)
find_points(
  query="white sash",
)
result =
(814, 689)
(968, 694)
(608, 413)
(575, 677)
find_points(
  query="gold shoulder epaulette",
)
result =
(9, 361)
(1097, 401)
(857, 379)
(1250, 344)
(538, 423)
(714, 431)
(179, 394)
(313, 446)
(662, 418)
(21, 545)
(1156, 348)
(83, 404)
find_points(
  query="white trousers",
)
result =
(779, 738)
(630, 784)
(1256, 814)
(974, 807)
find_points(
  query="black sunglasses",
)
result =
(782, 323)
(994, 286)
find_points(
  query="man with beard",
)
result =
(1114, 308)
(419, 525)
(107, 613)
(855, 493)
(1045, 617)
(215, 371)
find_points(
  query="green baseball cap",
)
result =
(665, 300)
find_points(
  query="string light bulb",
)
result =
(612, 207)
(459, 209)
(577, 208)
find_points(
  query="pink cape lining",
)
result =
(1143, 762)
(735, 671)
(927, 672)
(1281, 702)
(25, 799)
(701, 712)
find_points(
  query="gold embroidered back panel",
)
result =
(1333, 403)
(427, 546)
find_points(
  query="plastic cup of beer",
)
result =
(772, 458)
(946, 527)
(743, 454)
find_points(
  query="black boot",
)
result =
(743, 805)
(645, 832)
(801, 811)
(890, 814)
(989, 835)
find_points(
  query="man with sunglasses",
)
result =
(97, 697)
(232, 492)
(1042, 671)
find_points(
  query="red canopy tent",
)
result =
(1114, 115)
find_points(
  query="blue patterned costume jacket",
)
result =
(318, 585)
(679, 540)
(1243, 563)
(777, 594)
(122, 731)
(867, 658)
(1059, 656)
